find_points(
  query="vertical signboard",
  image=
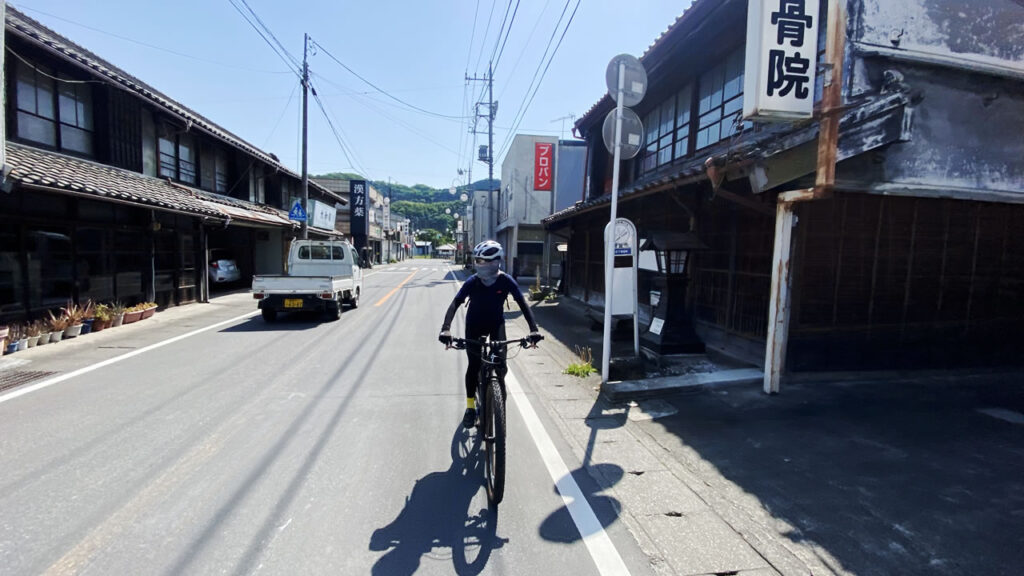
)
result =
(781, 60)
(358, 193)
(542, 161)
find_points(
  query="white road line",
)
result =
(108, 362)
(602, 550)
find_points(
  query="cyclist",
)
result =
(487, 291)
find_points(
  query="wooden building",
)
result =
(115, 191)
(914, 258)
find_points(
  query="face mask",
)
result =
(487, 273)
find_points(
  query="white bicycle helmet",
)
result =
(488, 250)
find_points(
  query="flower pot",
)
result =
(32, 341)
(56, 335)
(44, 338)
(148, 312)
(87, 325)
(11, 348)
(22, 344)
(99, 325)
(130, 317)
(72, 331)
(118, 319)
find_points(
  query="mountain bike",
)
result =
(490, 406)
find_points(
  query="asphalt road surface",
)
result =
(297, 447)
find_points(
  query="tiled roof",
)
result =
(25, 27)
(34, 167)
(768, 142)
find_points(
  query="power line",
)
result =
(483, 39)
(345, 149)
(264, 32)
(405, 125)
(381, 90)
(155, 47)
(526, 106)
(507, 33)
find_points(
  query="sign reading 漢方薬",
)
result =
(781, 60)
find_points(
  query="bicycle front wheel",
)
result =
(494, 437)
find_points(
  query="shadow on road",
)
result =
(292, 322)
(439, 513)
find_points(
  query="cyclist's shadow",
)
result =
(437, 514)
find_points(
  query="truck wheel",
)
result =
(353, 301)
(334, 310)
(269, 314)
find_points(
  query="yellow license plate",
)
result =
(293, 303)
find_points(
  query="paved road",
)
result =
(300, 447)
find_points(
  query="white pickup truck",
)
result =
(323, 275)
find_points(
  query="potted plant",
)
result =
(10, 344)
(74, 313)
(148, 310)
(116, 313)
(4, 331)
(88, 316)
(103, 318)
(132, 314)
(21, 337)
(32, 330)
(43, 329)
(57, 325)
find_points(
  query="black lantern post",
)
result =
(671, 329)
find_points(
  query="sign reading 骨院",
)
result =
(542, 159)
(781, 60)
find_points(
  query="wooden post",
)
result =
(831, 99)
(779, 305)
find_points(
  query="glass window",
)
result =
(721, 100)
(221, 173)
(684, 100)
(186, 159)
(36, 115)
(168, 158)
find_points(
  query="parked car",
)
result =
(223, 267)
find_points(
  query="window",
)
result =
(36, 114)
(668, 130)
(684, 100)
(220, 177)
(46, 103)
(721, 100)
(178, 157)
(74, 101)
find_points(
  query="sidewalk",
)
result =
(863, 474)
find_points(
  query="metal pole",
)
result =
(305, 135)
(609, 259)
(490, 136)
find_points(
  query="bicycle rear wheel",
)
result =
(494, 440)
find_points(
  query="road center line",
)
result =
(114, 360)
(393, 290)
(600, 546)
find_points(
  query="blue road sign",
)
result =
(297, 213)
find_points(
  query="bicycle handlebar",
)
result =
(460, 343)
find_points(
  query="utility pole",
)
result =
(305, 135)
(490, 132)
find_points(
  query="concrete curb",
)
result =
(651, 387)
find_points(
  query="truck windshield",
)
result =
(321, 253)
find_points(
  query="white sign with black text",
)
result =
(781, 60)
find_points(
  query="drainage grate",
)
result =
(13, 378)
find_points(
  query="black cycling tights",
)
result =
(473, 352)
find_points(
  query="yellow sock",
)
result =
(471, 403)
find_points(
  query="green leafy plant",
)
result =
(585, 366)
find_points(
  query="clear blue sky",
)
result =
(417, 50)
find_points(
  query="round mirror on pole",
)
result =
(634, 86)
(632, 133)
